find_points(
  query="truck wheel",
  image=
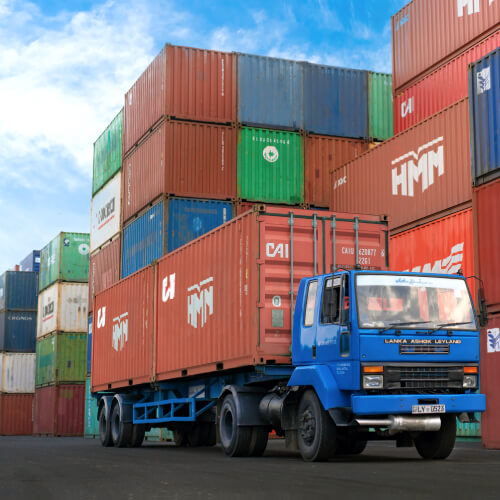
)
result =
(316, 430)
(438, 445)
(121, 433)
(235, 440)
(137, 435)
(350, 446)
(258, 442)
(202, 434)
(104, 429)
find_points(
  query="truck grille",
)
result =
(423, 377)
(424, 349)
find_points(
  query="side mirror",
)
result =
(483, 310)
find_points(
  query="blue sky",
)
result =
(66, 65)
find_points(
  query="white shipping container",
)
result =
(106, 209)
(63, 307)
(17, 373)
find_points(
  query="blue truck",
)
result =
(376, 355)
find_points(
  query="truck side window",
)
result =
(310, 303)
(330, 310)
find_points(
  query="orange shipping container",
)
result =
(16, 414)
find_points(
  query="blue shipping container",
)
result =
(269, 92)
(89, 346)
(18, 331)
(19, 291)
(168, 225)
(31, 262)
(335, 101)
(484, 114)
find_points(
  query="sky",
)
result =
(66, 65)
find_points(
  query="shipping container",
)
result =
(59, 410)
(484, 105)
(223, 301)
(426, 33)
(17, 331)
(89, 345)
(270, 166)
(167, 225)
(63, 308)
(185, 83)
(380, 113)
(18, 291)
(104, 268)
(65, 258)
(17, 373)
(61, 358)
(270, 92)
(189, 159)
(323, 154)
(444, 86)
(470, 429)
(423, 172)
(106, 213)
(108, 153)
(31, 262)
(16, 414)
(335, 101)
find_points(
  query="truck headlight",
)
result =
(470, 381)
(373, 381)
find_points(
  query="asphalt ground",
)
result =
(77, 468)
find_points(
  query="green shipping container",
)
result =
(65, 258)
(380, 106)
(61, 358)
(108, 153)
(270, 166)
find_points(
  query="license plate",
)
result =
(417, 409)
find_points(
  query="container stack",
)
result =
(18, 300)
(61, 346)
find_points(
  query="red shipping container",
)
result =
(187, 159)
(59, 410)
(427, 33)
(16, 414)
(438, 90)
(181, 82)
(104, 268)
(423, 172)
(490, 376)
(122, 332)
(323, 154)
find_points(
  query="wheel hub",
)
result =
(307, 426)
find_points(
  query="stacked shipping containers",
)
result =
(62, 336)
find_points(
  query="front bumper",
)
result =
(394, 404)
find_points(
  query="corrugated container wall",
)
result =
(185, 83)
(17, 373)
(428, 32)
(270, 92)
(89, 346)
(484, 99)
(440, 89)
(380, 113)
(63, 308)
(31, 262)
(270, 166)
(90, 423)
(108, 153)
(65, 258)
(419, 174)
(168, 225)
(104, 268)
(323, 154)
(17, 331)
(183, 159)
(16, 414)
(59, 410)
(18, 291)
(335, 101)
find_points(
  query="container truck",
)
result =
(287, 320)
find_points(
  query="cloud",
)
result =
(328, 18)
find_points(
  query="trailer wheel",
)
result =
(137, 435)
(316, 430)
(121, 433)
(180, 438)
(438, 445)
(258, 442)
(202, 434)
(235, 440)
(104, 429)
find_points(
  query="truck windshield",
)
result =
(409, 302)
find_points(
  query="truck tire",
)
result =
(438, 445)
(202, 434)
(235, 440)
(137, 435)
(315, 429)
(104, 429)
(121, 433)
(258, 442)
(350, 446)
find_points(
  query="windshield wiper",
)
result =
(442, 325)
(404, 323)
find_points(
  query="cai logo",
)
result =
(483, 80)
(270, 154)
(494, 340)
(101, 317)
(407, 107)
